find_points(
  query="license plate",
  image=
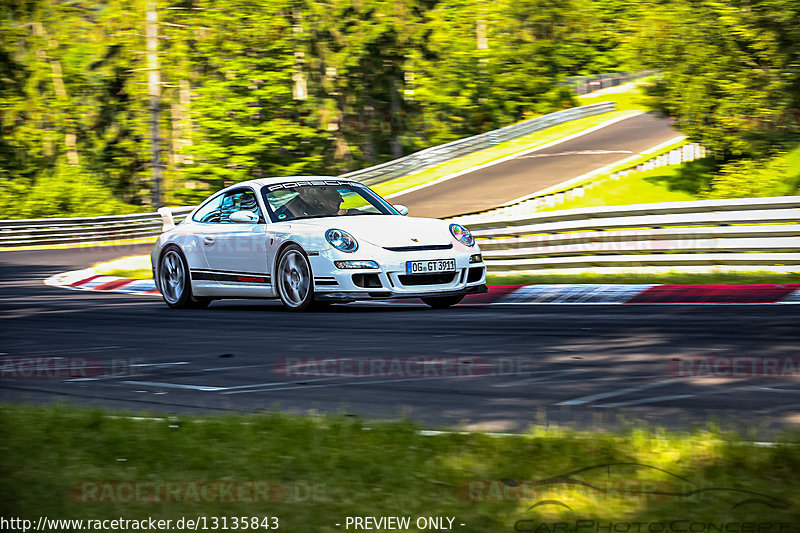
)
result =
(426, 267)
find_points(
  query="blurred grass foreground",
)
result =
(313, 472)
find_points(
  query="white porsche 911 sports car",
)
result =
(313, 240)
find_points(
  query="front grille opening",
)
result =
(439, 278)
(419, 248)
(367, 281)
(475, 274)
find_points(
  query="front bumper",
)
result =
(391, 281)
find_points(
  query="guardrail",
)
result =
(84, 230)
(743, 234)
(436, 155)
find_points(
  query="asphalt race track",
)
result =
(586, 366)
(512, 179)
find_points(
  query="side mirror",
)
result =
(403, 210)
(244, 217)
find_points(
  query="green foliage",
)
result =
(379, 80)
(731, 70)
(63, 190)
(463, 88)
(242, 101)
(290, 87)
(748, 178)
(69, 98)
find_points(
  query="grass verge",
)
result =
(664, 184)
(130, 274)
(132, 266)
(687, 181)
(320, 470)
(628, 97)
(80, 245)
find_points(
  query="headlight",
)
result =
(462, 234)
(341, 240)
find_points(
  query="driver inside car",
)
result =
(321, 201)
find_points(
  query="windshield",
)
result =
(316, 199)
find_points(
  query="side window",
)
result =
(209, 213)
(238, 200)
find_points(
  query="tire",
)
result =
(442, 302)
(294, 280)
(174, 282)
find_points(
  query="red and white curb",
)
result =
(653, 294)
(89, 280)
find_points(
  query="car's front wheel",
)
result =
(174, 281)
(294, 279)
(442, 302)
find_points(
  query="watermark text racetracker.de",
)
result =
(198, 523)
(496, 490)
(63, 367)
(398, 367)
(206, 492)
(177, 492)
(735, 367)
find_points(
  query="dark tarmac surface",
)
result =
(584, 366)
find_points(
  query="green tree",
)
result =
(69, 100)
(252, 88)
(731, 70)
(248, 122)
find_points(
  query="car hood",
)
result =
(385, 230)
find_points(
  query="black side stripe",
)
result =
(238, 277)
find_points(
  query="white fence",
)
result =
(737, 234)
(84, 230)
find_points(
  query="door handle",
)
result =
(208, 241)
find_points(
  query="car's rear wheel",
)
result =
(174, 281)
(294, 279)
(442, 302)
